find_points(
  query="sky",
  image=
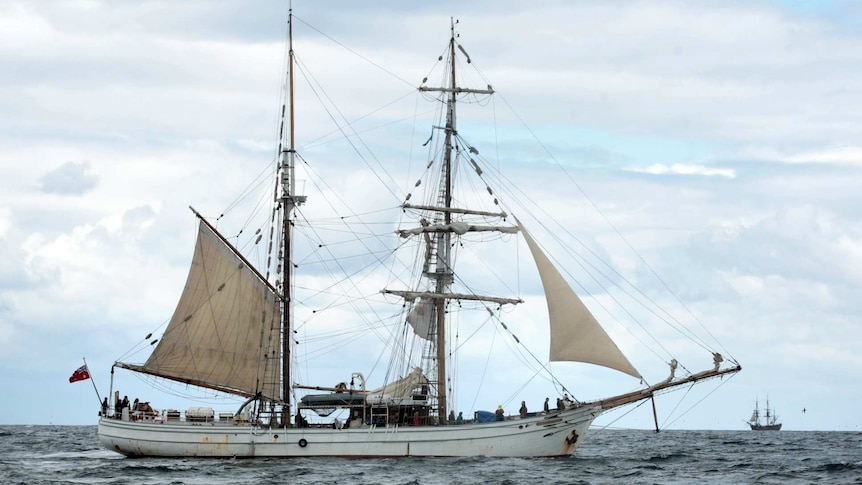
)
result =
(721, 139)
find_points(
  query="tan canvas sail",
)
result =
(575, 333)
(224, 333)
(402, 387)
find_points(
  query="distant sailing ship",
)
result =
(766, 422)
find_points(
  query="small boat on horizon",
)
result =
(767, 421)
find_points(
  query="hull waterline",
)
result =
(554, 434)
(765, 427)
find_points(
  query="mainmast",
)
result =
(289, 201)
(443, 266)
(443, 274)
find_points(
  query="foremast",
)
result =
(442, 274)
(289, 200)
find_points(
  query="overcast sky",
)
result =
(722, 139)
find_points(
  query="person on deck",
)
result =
(499, 413)
(460, 418)
(547, 405)
(523, 409)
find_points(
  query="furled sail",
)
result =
(459, 228)
(575, 333)
(402, 387)
(224, 333)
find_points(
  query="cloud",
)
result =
(798, 242)
(71, 178)
(848, 155)
(851, 155)
(685, 169)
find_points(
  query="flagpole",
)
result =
(93, 381)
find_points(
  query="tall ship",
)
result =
(766, 420)
(249, 311)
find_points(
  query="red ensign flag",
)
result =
(81, 374)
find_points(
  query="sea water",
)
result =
(72, 454)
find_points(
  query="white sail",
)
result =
(224, 333)
(420, 318)
(575, 333)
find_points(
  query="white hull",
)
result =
(554, 434)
